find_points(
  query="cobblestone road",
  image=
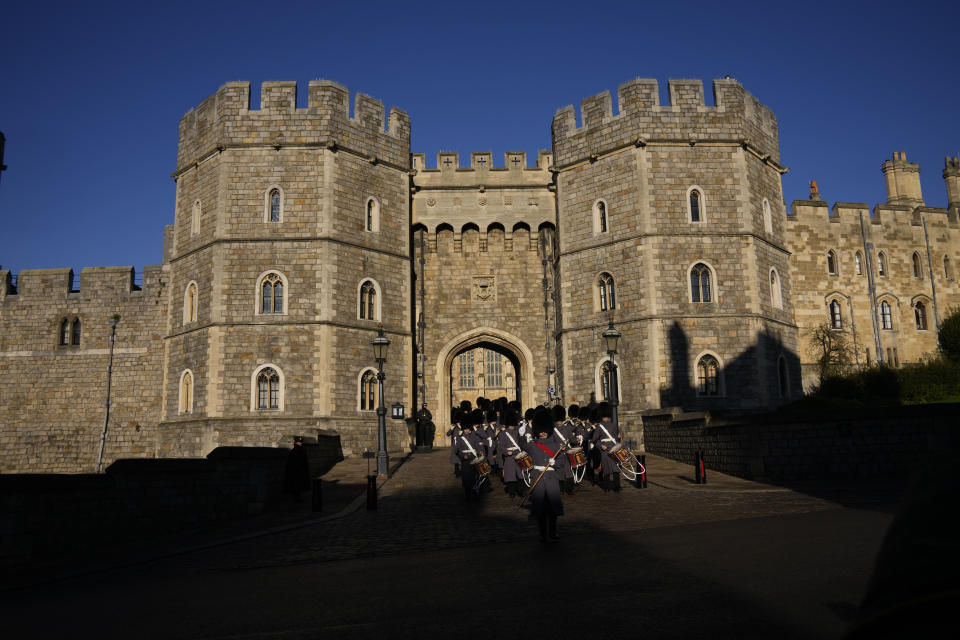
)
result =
(422, 508)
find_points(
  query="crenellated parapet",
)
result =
(104, 283)
(882, 217)
(483, 197)
(226, 120)
(736, 117)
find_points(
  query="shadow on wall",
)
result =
(763, 376)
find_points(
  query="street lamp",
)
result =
(611, 336)
(114, 321)
(380, 344)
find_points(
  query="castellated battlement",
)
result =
(736, 117)
(226, 120)
(104, 283)
(885, 216)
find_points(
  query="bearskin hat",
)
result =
(606, 411)
(528, 414)
(509, 418)
(465, 406)
(491, 416)
(573, 411)
(558, 413)
(542, 422)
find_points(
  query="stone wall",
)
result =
(137, 498)
(326, 167)
(482, 228)
(864, 444)
(54, 398)
(642, 165)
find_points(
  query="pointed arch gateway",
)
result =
(447, 365)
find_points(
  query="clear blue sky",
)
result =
(92, 92)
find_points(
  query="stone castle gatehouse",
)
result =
(298, 231)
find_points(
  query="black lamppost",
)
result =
(611, 336)
(114, 320)
(380, 344)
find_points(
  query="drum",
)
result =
(482, 467)
(621, 453)
(577, 457)
(524, 459)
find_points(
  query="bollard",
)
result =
(371, 493)
(643, 475)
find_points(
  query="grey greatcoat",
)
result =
(453, 434)
(509, 443)
(468, 448)
(548, 490)
(605, 442)
(563, 433)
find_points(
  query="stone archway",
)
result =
(518, 353)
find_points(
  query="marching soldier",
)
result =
(563, 432)
(509, 445)
(606, 436)
(469, 451)
(546, 499)
(456, 416)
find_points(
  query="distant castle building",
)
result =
(298, 231)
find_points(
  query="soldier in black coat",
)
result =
(606, 436)
(546, 500)
(469, 450)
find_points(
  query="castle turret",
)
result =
(951, 175)
(903, 181)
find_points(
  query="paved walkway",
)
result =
(421, 507)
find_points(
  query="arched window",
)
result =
(776, 292)
(190, 303)
(608, 296)
(65, 332)
(947, 271)
(368, 390)
(832, 262)
(917, 266)
(271, 293)
(886, 317)
(195, 222)
(782, 377)
(372, 215)
(708, 376)
(368, 301)
(273, 202)
(920, 313)
(75, 333)
(275, 205)
(268, 389)
(881, 264)
(836, 318)
(767, 217)
(186, 392)
(858, 263)
(600, 217)
(695, 205)
(700, 284)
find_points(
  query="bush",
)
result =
(848, 387)
(934, 381)
(880, 385)
(950, 336)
